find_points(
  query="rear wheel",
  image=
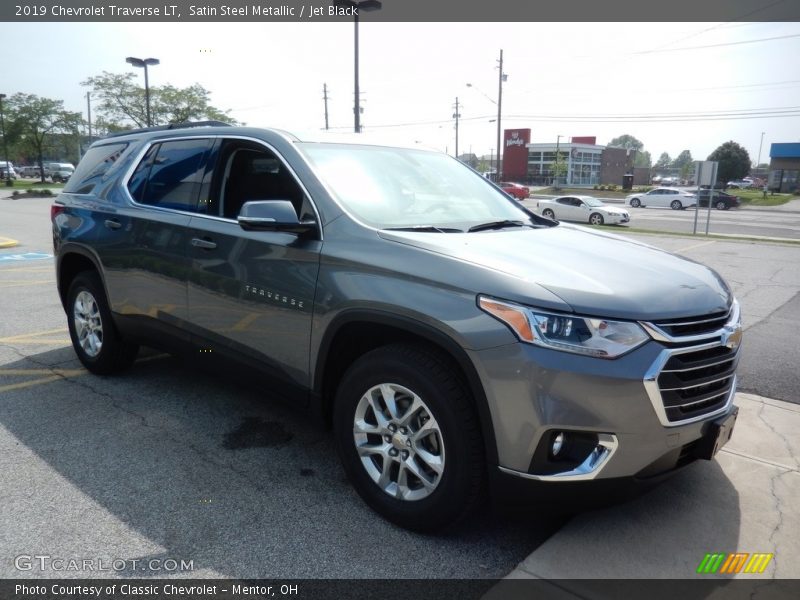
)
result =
(720, 205)
(676, 205)
(596, 219)
(636, 203)
(408, 437)
(548, 213)
(94, 338)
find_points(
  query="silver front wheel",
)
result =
(88, 323)
(399, 442)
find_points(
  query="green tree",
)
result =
(734, 161)
(35, 123)
(683, 159)
(664, 161)
(626, 141)
(123, 103)
(685, 163)
(643, 159)
(559, 168)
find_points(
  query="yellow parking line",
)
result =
(27, 270)
(693, 246)
(44, 342)
(245, 322)
(24, 336)
(50, 281)
(23, 281)
(7, 242)
(31, 383)
(61, 372)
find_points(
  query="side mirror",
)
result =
(272, 215)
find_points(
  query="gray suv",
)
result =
(457, 343)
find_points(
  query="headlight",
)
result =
(590, 336)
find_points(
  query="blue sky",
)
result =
(680, 80)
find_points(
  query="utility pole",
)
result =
(501, 78)
(325, 98)
(89, 113)
(758, 161)
(456, 116)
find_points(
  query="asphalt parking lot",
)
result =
(169, 462)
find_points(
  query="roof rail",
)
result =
(185, 125)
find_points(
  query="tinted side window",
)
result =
(174, 173)
(138, 180)
(92, 167)
(247, 171)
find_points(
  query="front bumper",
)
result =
(533, 392)
(614, 219)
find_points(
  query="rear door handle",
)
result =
(113, 224)
(203, 243)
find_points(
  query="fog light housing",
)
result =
(558, 443)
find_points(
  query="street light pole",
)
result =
(501, 78)
(456, 116)
(758, 162)
(144, 63)
(7, 170)
(555, 170)
(366, 6)
(89, 114)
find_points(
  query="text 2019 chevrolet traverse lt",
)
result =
(456, 342)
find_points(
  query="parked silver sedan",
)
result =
(586, 209)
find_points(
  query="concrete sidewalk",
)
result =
(746, 500)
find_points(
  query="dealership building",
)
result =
(784, 167)
(585, 162)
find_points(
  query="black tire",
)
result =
(676, 205)
(596, 219)
(549, 214)
(113, 354)
(721, 205)
(635, 202)
(453, 438)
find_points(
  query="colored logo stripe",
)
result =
(758, 563)
(734, 563)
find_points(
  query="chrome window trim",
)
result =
(607, 445)
(147, 145)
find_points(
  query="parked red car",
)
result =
(520, 192)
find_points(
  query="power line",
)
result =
(728, 115)
(681, 49)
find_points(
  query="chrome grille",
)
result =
(693, 326)
(694, 376)
(697, 382)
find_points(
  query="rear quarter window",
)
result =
(169, 175)
(93, 166)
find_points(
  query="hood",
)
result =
(595, 273)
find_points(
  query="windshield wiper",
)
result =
(428, 228)
(498, 225)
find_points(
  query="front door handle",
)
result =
(203, 243)
(113, 224)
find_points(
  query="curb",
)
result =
(7, 242)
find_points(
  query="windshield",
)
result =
(396, 187)
(592, 202)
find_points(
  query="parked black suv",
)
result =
(456, 341)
